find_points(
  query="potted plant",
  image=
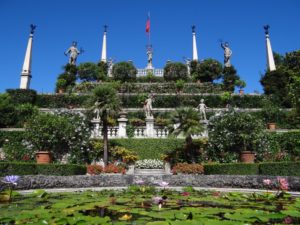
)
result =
(270, 113)
(236, 132)
(61, 85)
(240, 84)
(46, 133)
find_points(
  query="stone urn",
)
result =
(247, 157)
(43, 157)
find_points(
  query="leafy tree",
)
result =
(88, 71)
(107, 102)
(124, 71)
(206, 71)
(7, 111)
(103, 71)
(68, 78)
(175, 71)
(230, 77)
(187, 122)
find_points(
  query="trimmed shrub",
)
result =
(188, 168)
(61, 101)
(232, 169)
(148, 148)
(17, 168)
(280, 168)
(22, 96)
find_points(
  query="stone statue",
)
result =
(149, 54)
(96, 111)
(32, 28)
(267, 27)
(202, 109)
(188, 64)
(148, 106)
(227, 54)
(110, 64)
(74, 52)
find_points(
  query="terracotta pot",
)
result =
(241, 92)
(43, 157)
(61, 91)
(247, 157)
(272, 126)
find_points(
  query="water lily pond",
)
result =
(147, 205)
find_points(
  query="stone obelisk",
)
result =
(195, 52)
(104, 53)
(26, 71)
(270, 57)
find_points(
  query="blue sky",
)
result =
(59, 22)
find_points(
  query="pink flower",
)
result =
(267, 182)
(185, 193)
(164, 184)
(283, 184)
(157, 200)
(139, 182)
(288, 220)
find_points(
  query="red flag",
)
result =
(148, 25)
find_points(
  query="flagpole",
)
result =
(149, 36)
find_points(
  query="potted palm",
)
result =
(236, 132)
(270, 113)
(46, 133)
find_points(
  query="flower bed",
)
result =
(111, 168)
(149, 164)
(188, 168)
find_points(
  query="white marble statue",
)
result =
(202, 109)
(148, 106)
(74, 52)
(96, 111)
(227, 54)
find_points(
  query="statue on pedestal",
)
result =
(74, 52)
(202, 109)
(96, 111)
(227, 54)
(148, 106)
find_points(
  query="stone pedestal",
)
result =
(205, 132)
(150, 126)
(122, 127)
(96, 128)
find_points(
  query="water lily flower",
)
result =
(157, 199)
(139, 182)
(267, 182)
(11, 179)
(283, 184)
(125, 217)
(163, 184)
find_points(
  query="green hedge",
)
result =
(148, 148)
(280, 169)
(22, 96)
(160, 101)
(267, 168)
(232, 169)
(17, 168)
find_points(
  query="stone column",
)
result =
(150, 127)
(26, 70)
(195, 52)
(122, 125)
(103, 55)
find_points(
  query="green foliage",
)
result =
(235, 132)
(124, 71)
(90, 72)
(232, 169)
(206, 71)
(240, 84)
(61, 84)
(25, 112)
(66, 80)
(22, 96)
(103, 71)
(175, 71)
(17, 168)
(230, 77)
(270, 112)
(61, 101)
(180, 84)
(148, 148)
(7, 111)
(280, 169)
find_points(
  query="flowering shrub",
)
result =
(149, 164)
(233, 132)
(110, 168)
(123, 154)
(188, 168)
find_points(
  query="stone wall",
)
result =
(118, 180)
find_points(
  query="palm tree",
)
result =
(186, 122)
(106, 100)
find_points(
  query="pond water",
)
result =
(147, 205)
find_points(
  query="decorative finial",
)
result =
(32, 28)
(266, 27)
(105, 28)
(193, 28)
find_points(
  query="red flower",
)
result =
(185, 193)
